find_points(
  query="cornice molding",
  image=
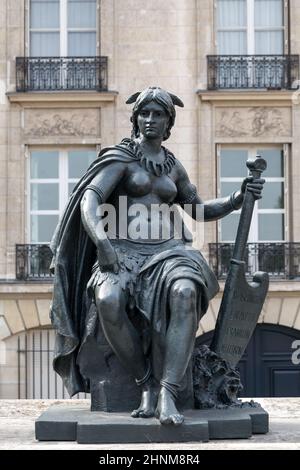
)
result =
(62, 98)
(249, 95)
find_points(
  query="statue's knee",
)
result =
(183, 290)
(110, 305)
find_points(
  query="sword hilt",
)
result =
(256, 166)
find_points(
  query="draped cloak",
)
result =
(74, 254)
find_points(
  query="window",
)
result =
(62, 28)
(250, 27)
(251, 46)
(268, 220)
(53, 175)
(63, 52)
(266, 250)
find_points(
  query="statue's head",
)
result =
(157, 95)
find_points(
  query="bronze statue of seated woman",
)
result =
(140, 267)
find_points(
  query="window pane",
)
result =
(70, 188)
(273, 196)
(269, 42)
(229, 188)
(270, 227)
(232, 42)
(233, 163)
(82, 44)
(44, 196)
(229, 227)
(44, 164)
(44, 14)
(274, 158)
(268, 13)
(232, 13)
(82, 13)
(79, 161)
(42, 227)
(44, 44)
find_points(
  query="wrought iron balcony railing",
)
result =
(280, 260)
(259, 71)
(33, 262)
(61, 73)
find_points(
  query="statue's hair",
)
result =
(159, 96)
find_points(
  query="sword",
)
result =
(242, 301)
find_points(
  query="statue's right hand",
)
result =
(109, 262)
(114, 268)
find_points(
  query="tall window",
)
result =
(250, 27)
(53, 175)
(62, 28)
(268, 221)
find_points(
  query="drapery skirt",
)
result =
(146, 275)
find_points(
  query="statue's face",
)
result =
(153, 121)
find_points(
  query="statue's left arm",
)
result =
(216, 208)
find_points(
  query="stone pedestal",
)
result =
(72, 422)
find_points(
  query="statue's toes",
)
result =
(136, 413)
(165, 419)
(147, 413)
(142, 413)
(177, 419)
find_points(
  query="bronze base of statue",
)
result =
(75, 422)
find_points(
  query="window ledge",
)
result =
(246, 95)
(9, 289)
(59, 97)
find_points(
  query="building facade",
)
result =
(66, 70)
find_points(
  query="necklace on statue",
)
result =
(158, 169)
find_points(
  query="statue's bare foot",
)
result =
(166, 410)
(148, 402)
